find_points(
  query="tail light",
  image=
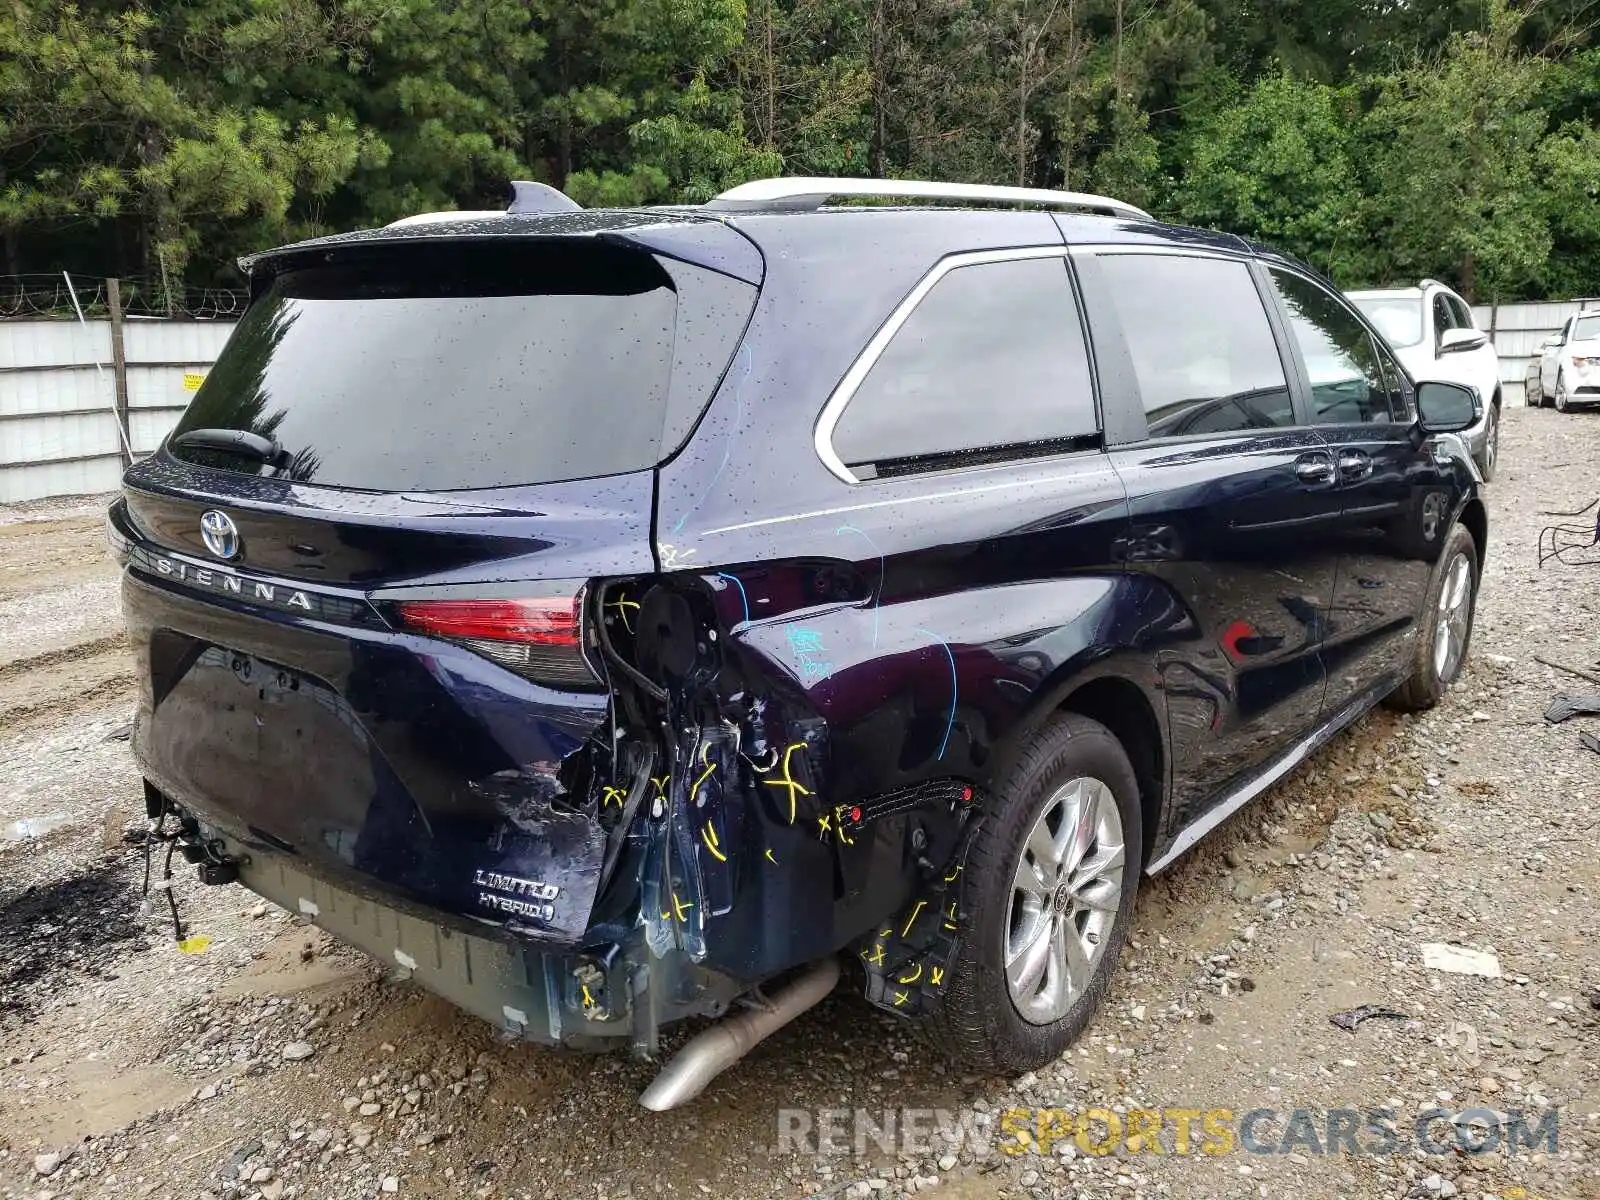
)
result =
(539, 639)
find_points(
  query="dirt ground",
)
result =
(272, 1063)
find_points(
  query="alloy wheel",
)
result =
(1491, 442)
(1065, 894)
(1561, 393)
(1454, 618)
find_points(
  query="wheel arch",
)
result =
(1475, 517)
(1123, 707)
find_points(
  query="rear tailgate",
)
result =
(369, 651)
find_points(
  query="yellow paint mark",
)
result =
(950, 916)
(936, 976)
(680, 908)
(900, 998)
(840, 828)
(588, 1000)
(610, 794)
(770, 859)
(951, 878)
(824, 825)
(912, 977)
(710, 836)
(661, 785)
(916, 911)
(195, 945)
(789, 781)
(876, 957)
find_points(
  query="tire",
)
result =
(1434, 667)
(1561, 392)
(1489, 457)
(978, 1021)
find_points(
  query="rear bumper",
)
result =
(557, 999)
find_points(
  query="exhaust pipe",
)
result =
(709, 1054)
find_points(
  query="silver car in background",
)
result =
(1568, 368)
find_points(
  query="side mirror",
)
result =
(1552, 341)
(1447, 407)
(1456, 341)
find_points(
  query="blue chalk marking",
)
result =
(807, 648)
(877, 592)
(727, 449)
(950, 722)
(743, 595)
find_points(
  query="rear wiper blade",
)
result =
(242, 442)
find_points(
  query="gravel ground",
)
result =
(275, 1064)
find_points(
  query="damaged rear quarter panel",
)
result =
(901, 633)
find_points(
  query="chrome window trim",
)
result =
(844, 392)
(1162, 249)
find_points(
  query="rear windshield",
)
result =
(1398, 318)
(1586, 329)
(444, 367)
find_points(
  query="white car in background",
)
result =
(1569, 365)
(1431, 330)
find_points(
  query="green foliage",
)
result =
(1381, 142)
(1280, 166)
(1458, 139)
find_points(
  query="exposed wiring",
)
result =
(1571, 545)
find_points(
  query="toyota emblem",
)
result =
(219, 533)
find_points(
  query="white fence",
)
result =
(1519, 332)
(60, 400)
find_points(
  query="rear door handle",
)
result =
(1315, 469)
(1354, 464)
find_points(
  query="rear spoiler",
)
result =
(683, 234)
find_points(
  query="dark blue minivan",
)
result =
(613, 617)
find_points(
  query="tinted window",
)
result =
(993, 356)
(1461, 313)
(1202, 348)
(434, 368)
(1444, 316)
(1347, 383)
(1398, 318)
(1394, 383)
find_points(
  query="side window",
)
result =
(1463, 314)
(1394, 380)
(1201, 344)
(1443, 318)
(993, 356)
(1347, 383)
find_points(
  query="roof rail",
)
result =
(803, 194)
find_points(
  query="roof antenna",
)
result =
(530, 197)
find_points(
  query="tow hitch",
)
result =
(213, 864)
